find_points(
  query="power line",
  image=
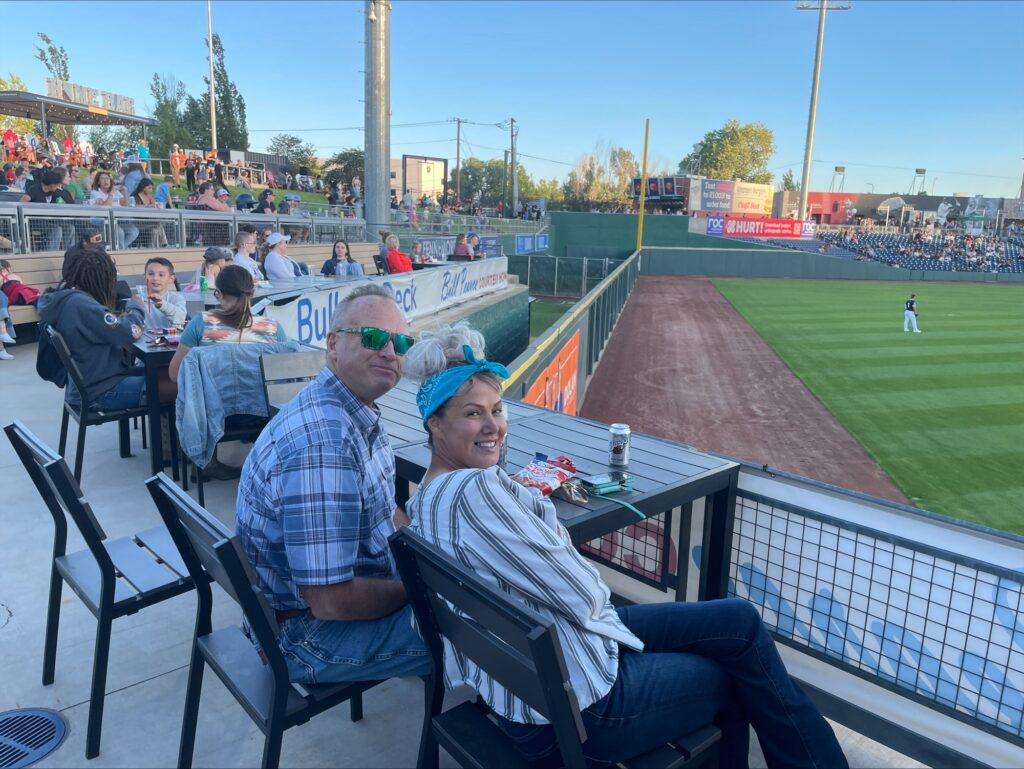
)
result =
(910, 168)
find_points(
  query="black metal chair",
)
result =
(87, 414)
(287, 374)
(520, 650)
(257, 676)
(113, 577)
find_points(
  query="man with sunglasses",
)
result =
(316, 504)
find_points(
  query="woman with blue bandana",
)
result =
(643, 674)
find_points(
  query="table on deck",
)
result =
(664, 474)
(154, 358)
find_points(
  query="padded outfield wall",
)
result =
(670, 249)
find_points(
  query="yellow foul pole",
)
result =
(643, 189)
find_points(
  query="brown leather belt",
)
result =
(287, 614)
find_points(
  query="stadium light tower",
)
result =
(821, 6)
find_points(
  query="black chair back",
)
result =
(66, 359)
(286, 374)
(381, 264)
(61, 494)
(514, 645)
(208, 547)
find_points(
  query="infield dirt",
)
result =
(683, 364)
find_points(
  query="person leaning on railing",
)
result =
(643, 674)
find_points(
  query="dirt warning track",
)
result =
(683, 364)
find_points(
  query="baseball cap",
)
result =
(292, 196)
(266, 193)
(222, 191)
(131, 159)
(276, 237)
(216, 253)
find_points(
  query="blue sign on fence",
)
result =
(525, 244)
(437, 248)
(490, 246)
(541, 243)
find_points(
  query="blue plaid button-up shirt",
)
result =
(317, 495)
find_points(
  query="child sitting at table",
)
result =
(164, 306)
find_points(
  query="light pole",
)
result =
(933, 185)
(869, 184)
(377, 193)
(213, 101)
(822, 6)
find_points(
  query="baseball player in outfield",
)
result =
(910, 314)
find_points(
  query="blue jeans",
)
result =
(708, 662)
(126, 394)
(326, 651)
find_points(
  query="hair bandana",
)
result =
(436, 390)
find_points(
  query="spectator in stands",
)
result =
(246, 252)
(132, 173)
(207, 201)
(243, 180)
(285, 206)
(165, 306)
(49, 190)
(74, 185)
(266, 203)
(163, 192)
(190, 173)
(84, 309)
(341, 262)
(89, 240)
(461, 247)
(397, 260)
(5, 321)
(224, 197)
(215, 259)
(278, 265)
(143, 197)
(416, 253)
(105, 192)
(20, 181)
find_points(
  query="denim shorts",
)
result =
(327, 651)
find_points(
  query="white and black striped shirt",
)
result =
(510, 537)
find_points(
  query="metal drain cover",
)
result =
(28, 735)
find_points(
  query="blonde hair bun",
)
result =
(441, 348)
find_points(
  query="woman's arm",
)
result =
(179, 356)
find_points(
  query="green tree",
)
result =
(20, 125)
(232, 130)
(788, 183)
(624, 167)
(169, 97)
(113, 138)
(299, 153)
(733, 151)
(55, 59)
(344, 165)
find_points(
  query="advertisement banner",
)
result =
(418, 294)
(489, 246)
(764, 228)
(541, 244)
(555, 387)
(716, 196)
(715, 225)
(748, 198)
(668, 186)
(437, 248)
(653, 189)
(525, 244)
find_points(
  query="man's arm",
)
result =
(361, 598)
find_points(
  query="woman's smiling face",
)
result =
(469, 432)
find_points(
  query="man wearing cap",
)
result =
(278, 265)
(266, 203)
(316, 505)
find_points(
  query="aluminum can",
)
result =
(618, 445)
(503, 453)
(204, 284)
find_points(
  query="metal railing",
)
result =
(561, 276)
(429, 222)
(257, 173)
(37, 227)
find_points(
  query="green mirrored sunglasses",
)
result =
(377, 338)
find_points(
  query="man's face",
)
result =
(367, 373)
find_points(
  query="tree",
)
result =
(55, 59)
(733, 151)
(232, 131)
(344, 165)
(299, 153)
(20, 125)
(169, 97)
(111, 139)
(788, 183)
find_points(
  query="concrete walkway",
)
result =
(149, 651)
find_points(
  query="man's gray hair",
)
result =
(369, 289)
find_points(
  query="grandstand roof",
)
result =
(30, 105)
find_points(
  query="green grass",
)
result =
(942, 411)
(544, 314)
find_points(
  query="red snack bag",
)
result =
(545, 474)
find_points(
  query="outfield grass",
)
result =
(544, 314)
(942, 411)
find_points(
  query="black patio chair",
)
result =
(520, 650)
(254, 671)
(287, 374)
(87, 414)
(113, 577)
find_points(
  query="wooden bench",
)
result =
(43, 270)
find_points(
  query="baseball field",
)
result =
(941, 411)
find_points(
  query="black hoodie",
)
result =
(96, 337)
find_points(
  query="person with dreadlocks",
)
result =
(84, 309)
(232, 323)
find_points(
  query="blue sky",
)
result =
(904, 84)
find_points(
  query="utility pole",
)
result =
(458, 159)
(377, 194)
(515, 176)
(822, 6)
(213, 101)
(504, 179)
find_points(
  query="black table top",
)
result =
(664, 474)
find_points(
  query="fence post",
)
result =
(555, 286)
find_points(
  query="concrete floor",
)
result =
(149, 651)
